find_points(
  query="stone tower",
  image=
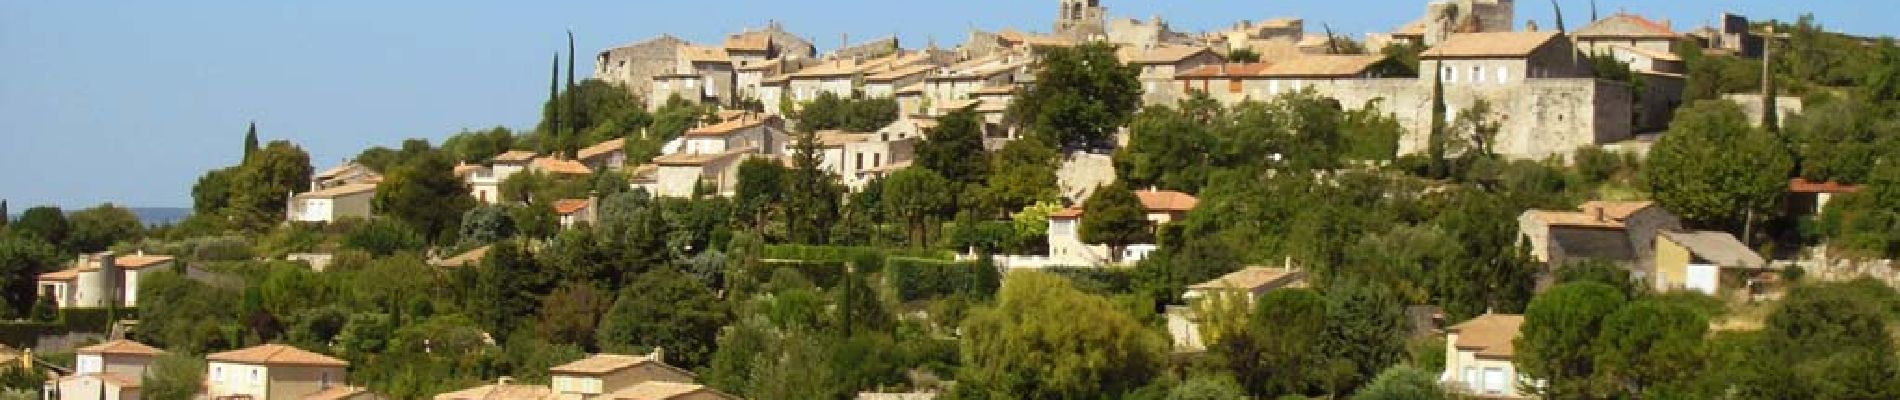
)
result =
(1445, 17)
(1081, 19)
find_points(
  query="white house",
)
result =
(484, 182)
(113, 370)
(1478, 357)
(97, 280)
(1065, 239)
(602, 376)
(329, 205)
(1184, 322)
(272, 371)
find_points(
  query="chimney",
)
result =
(1530, 26)
(658, 354)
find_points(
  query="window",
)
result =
(1504, 74)
(877, 160)
(1477, 74)
(1471, 378)
(1233, 86)
(1495, 381)
(860, 161)
(1187, 86)
(1450, 75)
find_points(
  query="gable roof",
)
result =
(663, 390)
(732, 125)
(500, 391)
(1720, 248)
(1626, 25)
(463, 169)
(1250, 279)
(1323, 65)
(515, 156)
(602, 148)
(337, 393)
(901, 73)
(698, 54)
(339, 191)
(1159, 55)
(64, 274)
(113, 379)
(749, 41)
(608, 363)
(1490, 45)
(276, 354)
(569, 206)
(695, 159)
(1166, 200)
(557, 166)
(1490, 335)
(140, 261)
(1592, 214)
(120, 347)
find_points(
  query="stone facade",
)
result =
(1081, 20)
(1150, 33)
(634, 65)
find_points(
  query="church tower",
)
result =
(1081, 20)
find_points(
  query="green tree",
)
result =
(1208, 387)
(5, 216)
(425, 194)
(45, 222)
(174, 376)
(812, 194)
(1365, 333)
(1557, 341)
(916, 196)
(1115, 217)
(665, 309)
(1081, 96)
(95, 229)
(1023, 174)
(22, 259)
(266, 179)
(1243, 55)
(761, 185)
(475, 147)
(508, 288)
(571, 314)
(1402, 382)
(1171, 146)
(486, 224)
(1281, 352)
(1714, 169)
(383, 237)
(1651, 349)
(250, 140)
(1826, 341)
(954, 149)
(1028, 346)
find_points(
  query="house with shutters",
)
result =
(272, 371)
(1478, 358)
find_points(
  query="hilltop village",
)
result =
(1465, 206)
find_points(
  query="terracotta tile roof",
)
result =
(733, 125)
(467, 258)
(1592, 214)
(1798, 185)
(1166, 200)
(120, 347)
(913, 88)
(662, 390)
(1228, 70)
(1659, 55)
(500, 391)
(276, 354)
(1490, 335)
(1490, 45)
(1159, 55)
(515, 156)
(1414, 28)
(1067, 213)
(64, 274)
(995, 90)
(889, 167)
(1281, 22)
(555, 166)
(115, 379)
(643, 172)
(336, 393)
(837, 138)
(569, 206)
(140, 261)
(901, 73)
(1720, 248)
(1626, 25)
(1251, 279)
(339, 191)
(607, 363)
(698, 54)
(1617, 210)
(465, 169)
(749, 41)
(1322, 66)
(337, 170)
(602, 148)
(688, 159)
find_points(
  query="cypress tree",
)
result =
(1769, 110)
(570, 142)
(552, 138)
(250, 140)
(1435, 143)
(4, 216)
(570, 59)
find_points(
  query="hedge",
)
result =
(920, 278)
(25, 334)
(1101, 281)
(867, 259)
(825, 274)
(96, 320)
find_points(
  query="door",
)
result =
(1702, 278)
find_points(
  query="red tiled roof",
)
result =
(1799, 185)
(569, 206)
(276, 354)
(1166, 200)
(120, 347)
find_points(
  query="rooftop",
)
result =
(1490, 45)
(120, 347)
(500, 391)
(1720, 248)
(663, 390)
(1626, 25)
(602, 148)
(1159, 55)
(1490, 334)
(695, 159)
(339, 191)
(731, 125)
(467, 258)
(276, 354)
(557, 166)
(515, 156)
(1799, 185)
(1250, 279)
(569, 206)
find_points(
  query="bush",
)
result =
(823, 274)
(26, 334)
(919, 279)
(97, 320)
(1098, 281)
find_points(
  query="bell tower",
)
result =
(1081, 19)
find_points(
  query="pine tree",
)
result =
(250, 140)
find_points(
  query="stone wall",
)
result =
(634, 65)
(868, 50)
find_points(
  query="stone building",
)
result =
(1151, 33)
(1731, 36)
(1081, 20)
(634, 65)
(1445, 17)
(700, 75)
(1160, 64)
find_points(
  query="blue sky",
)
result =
(129, 102)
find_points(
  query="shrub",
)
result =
(919, 279)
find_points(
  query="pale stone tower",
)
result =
(1081, 19)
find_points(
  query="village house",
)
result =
(1446, 17)
(634, 65)
(710, 155)
(346, 174)
(1733, 35)
(1709, 262)
(1648, 47)
(484, 182)
(610, 155)
(113, 370)
(99, 280)
(602, 377)
(853, 156)
(1621, 232)
(332, 204)
(1231, 84)
(1065, 240)
(576, 211)
(1810, 198)
(1539, 89)
(1245, 285)
(1159, 65)
(1626, 30)
(1478, 357)
(559, 167)
(271, 371)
